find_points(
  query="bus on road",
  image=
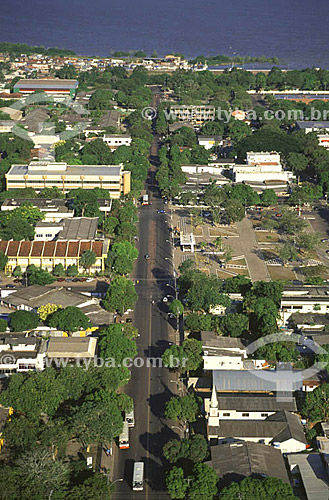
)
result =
(138, 476)
(124, 437)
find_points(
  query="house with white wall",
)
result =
(283, 430)
(304, 300)
(249, 407)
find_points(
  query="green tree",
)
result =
(114, 344)
(194, 449)
(184, 408)
(110, 224)
(176, 483)
(268, 198)
(37, 276)
(288, 252)
(279, 351)
(72, 270)
(121, 295)
(95, 487)
(87, 259)
(234, 324)
(234, 211)
(21, 321)
(3, 260)
(204, 483)
(70, 319)
(297, 162)
(3, 325)
(58, 270)
(291, 223)
(42, 473)
(308, 241)
(18, 272)
(122, 256)
(262, 489)
(316, 404)
(176, 308)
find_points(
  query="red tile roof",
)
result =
(84, 245)
(25, 248)
(49, 248)
(13, 247)
(37, 248)
(61, 249)
(73, 249)
(97, 247)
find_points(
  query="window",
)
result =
(245, 414)
(264, 414)
(226, 414)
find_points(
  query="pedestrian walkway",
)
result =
(247, 245)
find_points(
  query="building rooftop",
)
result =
(312, 124)
(235, 461)
(312, 472)
(280, 426)
(255, 403)
(73, 170)
(79, 228)
(62, 248)
(71, 347)
(47, 83)
(212, 340)
(257, 380)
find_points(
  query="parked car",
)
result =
(165, 299)
(147, 256)
(89, 280)
(10, 286)
(324, 240)
(161, 211)
(129, 320)
(83, 279)
(69, 280)
(60, 279)
(75, 280)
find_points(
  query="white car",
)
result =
(165, 299)
(89, 280)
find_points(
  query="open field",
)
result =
(281, 273)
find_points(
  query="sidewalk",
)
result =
(247, 245)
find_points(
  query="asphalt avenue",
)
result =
(149, 386)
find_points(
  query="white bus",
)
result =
(138, 476)
(124, 437)
(130, 418)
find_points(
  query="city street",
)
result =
(150, 387)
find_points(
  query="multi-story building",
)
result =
(40, 175)
(47, 254)
(56, 87)
(196, 114)
(261, 167)
(21, 354)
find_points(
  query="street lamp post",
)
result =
(116, 481)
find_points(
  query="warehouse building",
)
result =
(55, 87)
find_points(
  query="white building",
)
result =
(40, 175)
(222, 353)
(261, 167)
(114, 141)
(209, 142)
(52, 210)
(244, 407)
(304, 300)
(283, 430)
(21, 354)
